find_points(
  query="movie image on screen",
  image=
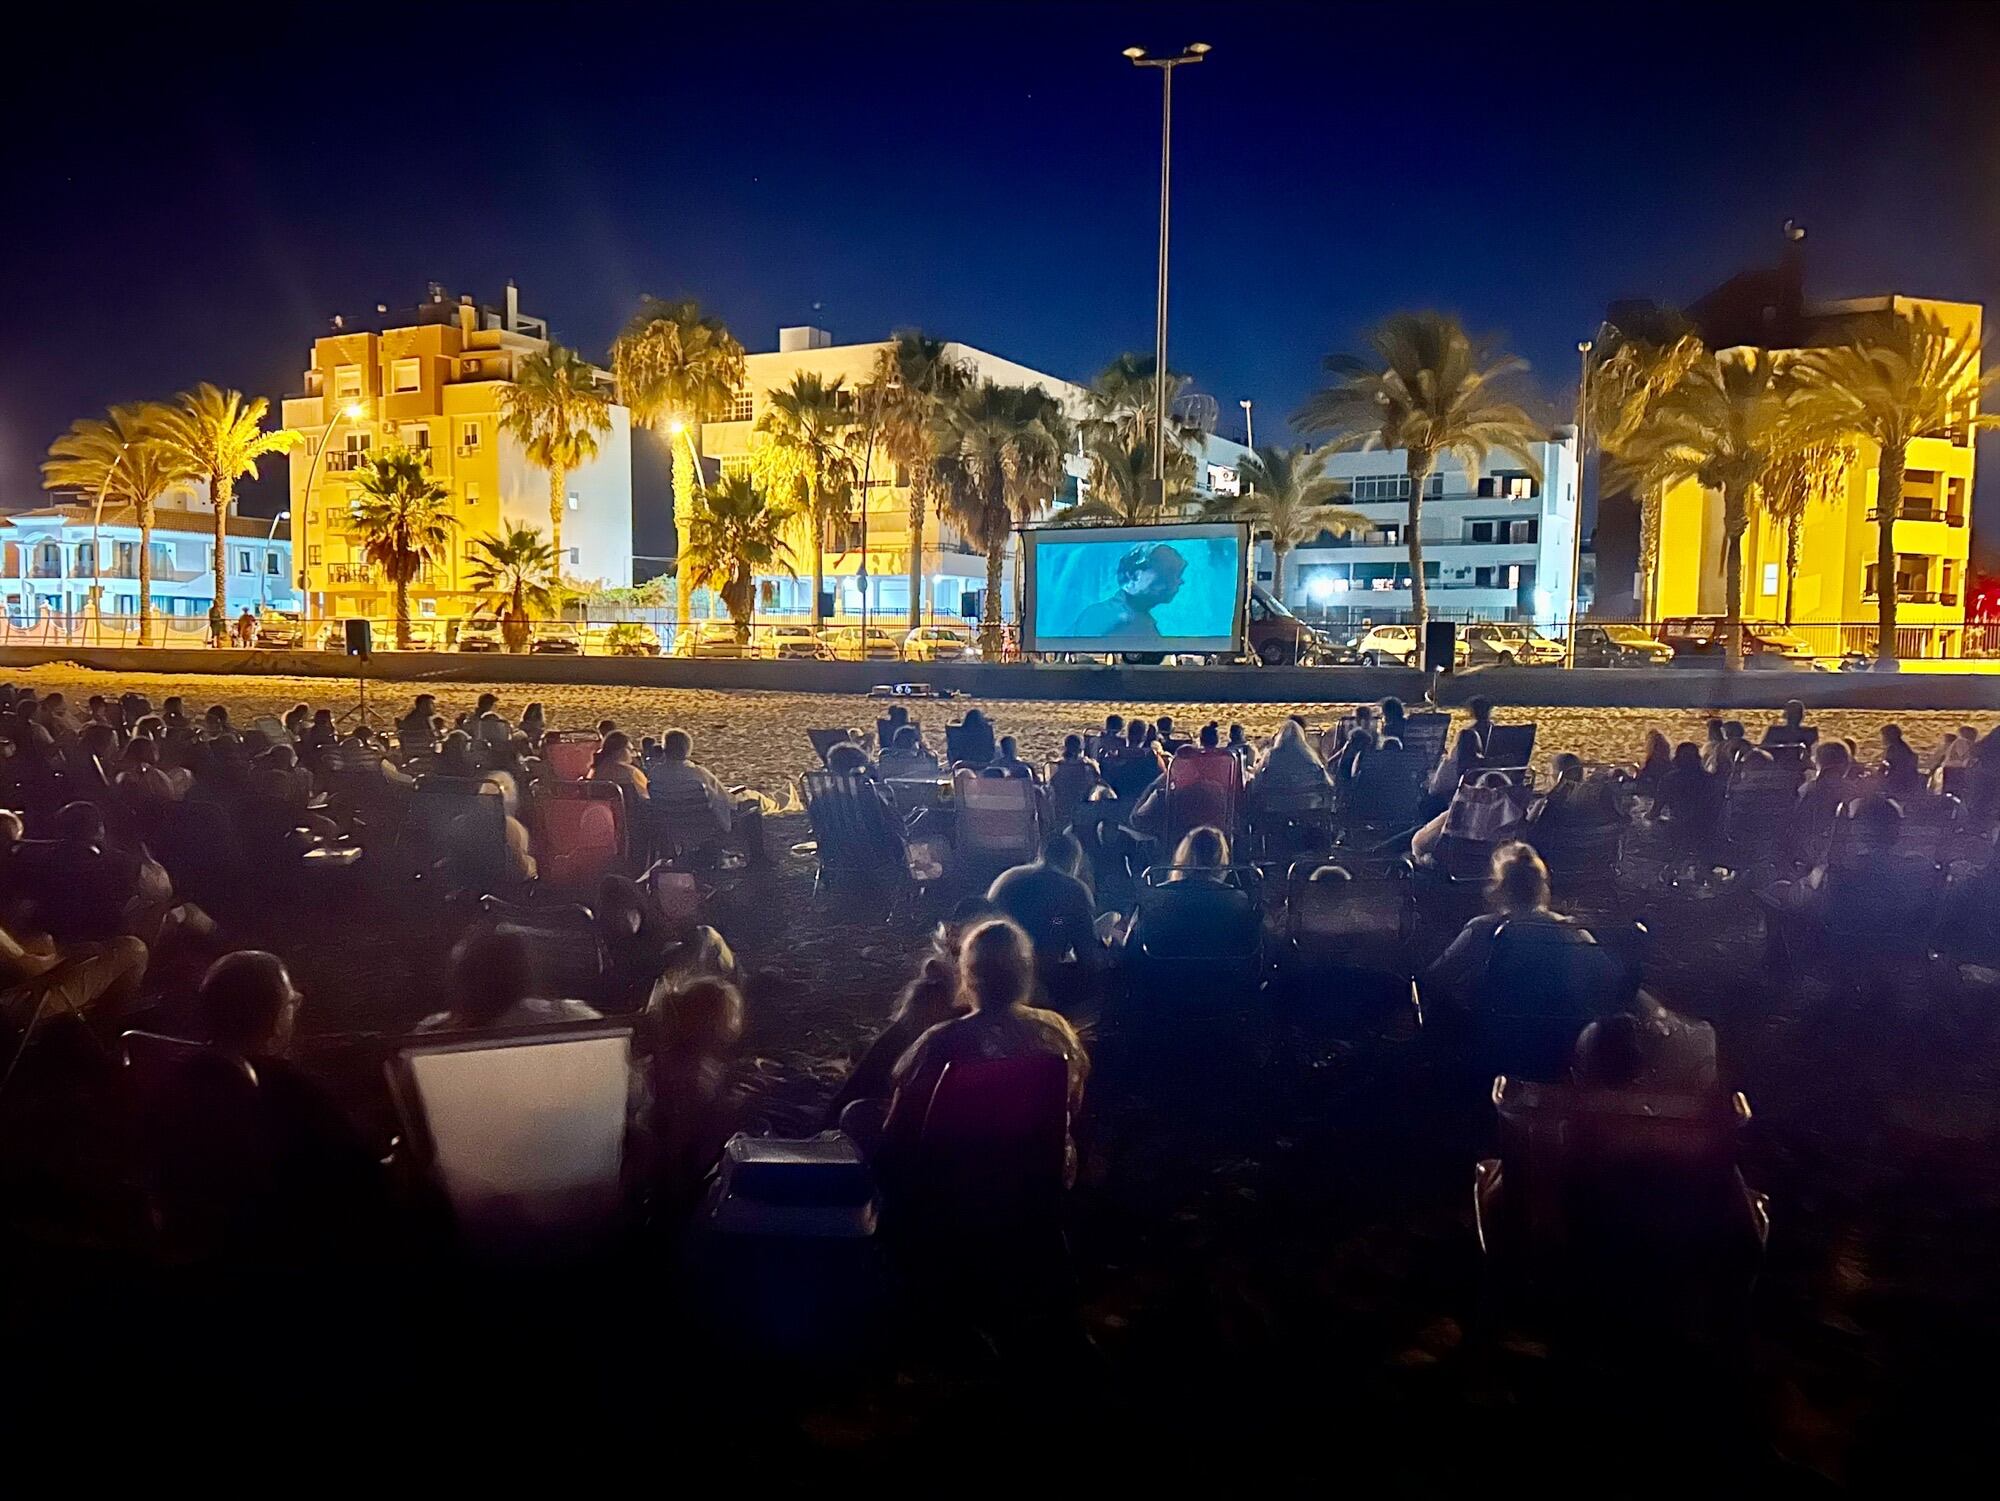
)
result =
(1136, 588)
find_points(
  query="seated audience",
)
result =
(1517, 892)
(906, 755)
(1007, 760)
(687, 1109)
(1051, 904)
(492, 982)
(1902, 776)
(1792, 729)
(930, 997)
(1072, 779)
(680, 785)
(1646, 1047)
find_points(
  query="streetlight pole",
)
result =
(264, 578)
(1195, 52)
(352, 412)
(1583, 348)
(1249, 431)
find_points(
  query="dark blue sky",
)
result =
(987, 171)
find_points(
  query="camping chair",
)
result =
(1425, 734)
(1387, 791)
(1197, 936)
(885, 732)
(1204, 787)
(992, 1155)
(1544, 983)
(463, 819)
(570, 754)
(858, 838)
(1446, 893)
(207, 1165)
(1756, 824)
(522, 1132)
(1583, 862)
(1291, 819)
(684, 825)
(1510, 747)
(583, 833)
(970, 745)
(999, 820)
(565, 952)
(1626, 1198)
(825, 740)
(1320, 915)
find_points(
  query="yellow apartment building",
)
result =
(1835, 583)
(433, 379)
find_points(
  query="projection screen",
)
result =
(1174, 588)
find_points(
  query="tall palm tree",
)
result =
(1912, 378)
(1809, 474)
(403, 517)
(1287, 498)
(1631, 370)
(518, 568)
(1427, 389)
(736, 531)
(124, 456)
(1000, 458)
(676, 368)
(1729, 424)
(557, 409)
(912, 384)
(1120, 404)
(1121, 483)
(221, 435)
(809, 420)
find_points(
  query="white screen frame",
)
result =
(1032, 539)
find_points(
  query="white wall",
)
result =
(599, 527)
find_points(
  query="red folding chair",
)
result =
(1204, 787)
(583, 832)
(569, 754)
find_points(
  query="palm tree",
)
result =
(1287, 498)
(1631, 370)
(1806, 475)
(221, 435)
(1730, 424)
(678, 368)
(403, 517)
(128, 456)
(910, 388)
(1000, 458)
(736, 531)
(1120, 404)
(1914, 378)
(808, 421)
(1427, 389)
(1121, 483)
(519, 568)
(556, 408)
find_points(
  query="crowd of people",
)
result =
(130, 822)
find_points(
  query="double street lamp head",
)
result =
(1194, 53)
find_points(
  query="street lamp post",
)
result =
(1583, 348)
(1195, 53)
(264, 579)
(352, 412)
(1249, 431)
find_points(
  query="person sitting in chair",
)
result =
(492, 981)
(1051, 905)
(1646, 1047)
(678, 782)
(906, 755)
(1792, 729)
(1072, 779)
(1007, 760)
(1517, 892)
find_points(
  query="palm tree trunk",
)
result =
(1420, 466)
(223, 492)
(1277, 570)
(1888, 501)
(819, 551)
(402, 613)
(683, 520)
(1649, 552)
(1794, 525)
(558, 497)
(919, 485)
(989, 615)
(145, 573)
(1735, 520)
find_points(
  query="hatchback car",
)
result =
(480, 635)
(877, 644)
(791, 643)
(1620, 646)
(556, 638)
(710, 638)
(279, 631)
(1701, 641)
(1501, 645)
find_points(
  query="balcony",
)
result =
(350, 573)
(1921, 513)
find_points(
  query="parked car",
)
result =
(709, 638)
(556, 638)
(1499, 645)
(1278, 638)
(879, 645)
(423, 635)
(1699, 641)
(631, 638)
(480, 635)
(1620, 646)
(280, 630)
(791, 643)
(939, 643)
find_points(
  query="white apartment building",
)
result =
(1498, 544)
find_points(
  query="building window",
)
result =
(472, 493)
(346, 382)
(1526, 531)
(406, 375)
(1770, 578)
(468, 437)
(742, 407)
(1381, 487)
(1482, 531)
(312, 555)
(271, 564)
(473, 367)
(242, 560)
(1482, 578)
(574, 555)
(417, 435)
(572, 500)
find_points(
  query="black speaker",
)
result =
(1440, 645)
(360, 639)
(826, 604)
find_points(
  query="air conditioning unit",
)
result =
(467, 450)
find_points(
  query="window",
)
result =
(346, 382)
(574, 555)
(1525, 531)
(312, 555)
(468, 437)
(1382, 487)
(242, 560)
(742, 407)
(406, 375)
(417, 435)
(1482, 531)
(572, 500)
(1770, 578)
(271, 564)
(1482, 578)
(472, 493)
(474, 367)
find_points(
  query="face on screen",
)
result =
(1157, 580)
(1108, 589)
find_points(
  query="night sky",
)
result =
(182, 207)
